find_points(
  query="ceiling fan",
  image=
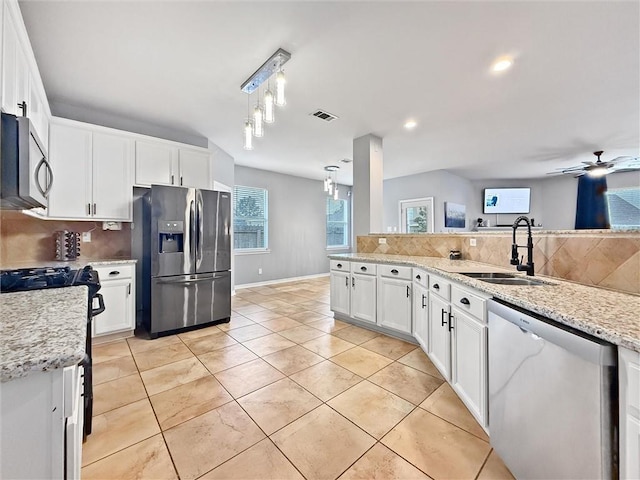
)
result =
(600, 168)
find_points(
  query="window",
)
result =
(416, 215)
(337, 223)
(250, 225)
(624, 207)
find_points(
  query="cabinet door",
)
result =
(363, 297)
(469, 363)
(195, 169)
(156, 164)
(421, 315)
(439, 337)
(37, 113)
(9, 68)
(112, 186)
(340, 292)
(394, 304)
(118, 313)
(70, 158)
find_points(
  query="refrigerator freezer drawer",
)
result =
(185, 300)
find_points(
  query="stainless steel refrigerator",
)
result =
(181, 239)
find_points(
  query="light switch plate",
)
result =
(86, 236)
(472, 242)
(382, 241)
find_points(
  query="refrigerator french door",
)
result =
(189, 280)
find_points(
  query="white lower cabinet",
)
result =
(42, 419)
(469, 362)
(421, 308)
(363, 297)
(629, 390)
(340, 291)
(439, 350)
(394, 298)
(118, 292)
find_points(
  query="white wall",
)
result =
(443, 186)
(297, 228)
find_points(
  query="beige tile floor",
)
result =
(283, 391)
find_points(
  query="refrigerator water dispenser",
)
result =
(171, 236)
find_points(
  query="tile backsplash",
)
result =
(610, 260)
(28, 239)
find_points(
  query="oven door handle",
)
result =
(101, 307)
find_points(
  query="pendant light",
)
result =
(269, 116)
(280, 81)
(331, 183)
(258, 127)
(248, 127)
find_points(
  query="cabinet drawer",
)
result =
(339, 265)
(469, 302)
(440, 287)
(363, 268)
(421, 277)
(114, 272)
(395, 271)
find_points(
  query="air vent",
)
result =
(326, 116)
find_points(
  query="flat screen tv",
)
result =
(507, 200)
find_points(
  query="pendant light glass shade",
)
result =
(280, 81)
(258, 128)
(335, 192)
(269, 116)
(248, 138)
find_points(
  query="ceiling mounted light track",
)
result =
(263, 113)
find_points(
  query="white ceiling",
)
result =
(574, 88)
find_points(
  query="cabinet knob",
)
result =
(418, 277)
(115, 272)
(339, 265)
(408, 291)
(424, 297)
(364, 269)
(444, 321)
(451, 317)
(394, 271)
(464, 301)
(436, 286)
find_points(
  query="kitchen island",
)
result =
(42, 341)
(432, 302)
(605, 314)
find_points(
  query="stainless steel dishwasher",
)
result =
(552, 398)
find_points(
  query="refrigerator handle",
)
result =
(198, 227)
(192, 228)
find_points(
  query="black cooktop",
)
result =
(24, 279)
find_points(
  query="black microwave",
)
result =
(26, 175)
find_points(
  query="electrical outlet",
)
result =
(472, 242)
(382, 241)
(259, 271)
(111, 225)
(86, 236)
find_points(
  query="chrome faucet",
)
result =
(514, 247)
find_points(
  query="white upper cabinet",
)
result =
(160, 163)
(195, 169)
(92, 174)
(70, 157)
(156, 163)
(112, 184)
(22, 90)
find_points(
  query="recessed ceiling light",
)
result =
(502, 64)
(411, 124)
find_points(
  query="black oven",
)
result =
(24, 279)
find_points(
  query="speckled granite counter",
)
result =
(42, 330)
(606, 314)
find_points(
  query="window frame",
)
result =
(265, 219)
(427, 202)
(346, 223)
(614, 191)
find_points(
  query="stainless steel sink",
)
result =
(504, 278)
(482, 275)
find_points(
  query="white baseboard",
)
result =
(280, 280)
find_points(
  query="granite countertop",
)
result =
(42, 330)
(605, 314)
(80, 263)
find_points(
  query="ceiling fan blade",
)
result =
(589, 163)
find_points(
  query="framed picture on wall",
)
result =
(454, 215)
